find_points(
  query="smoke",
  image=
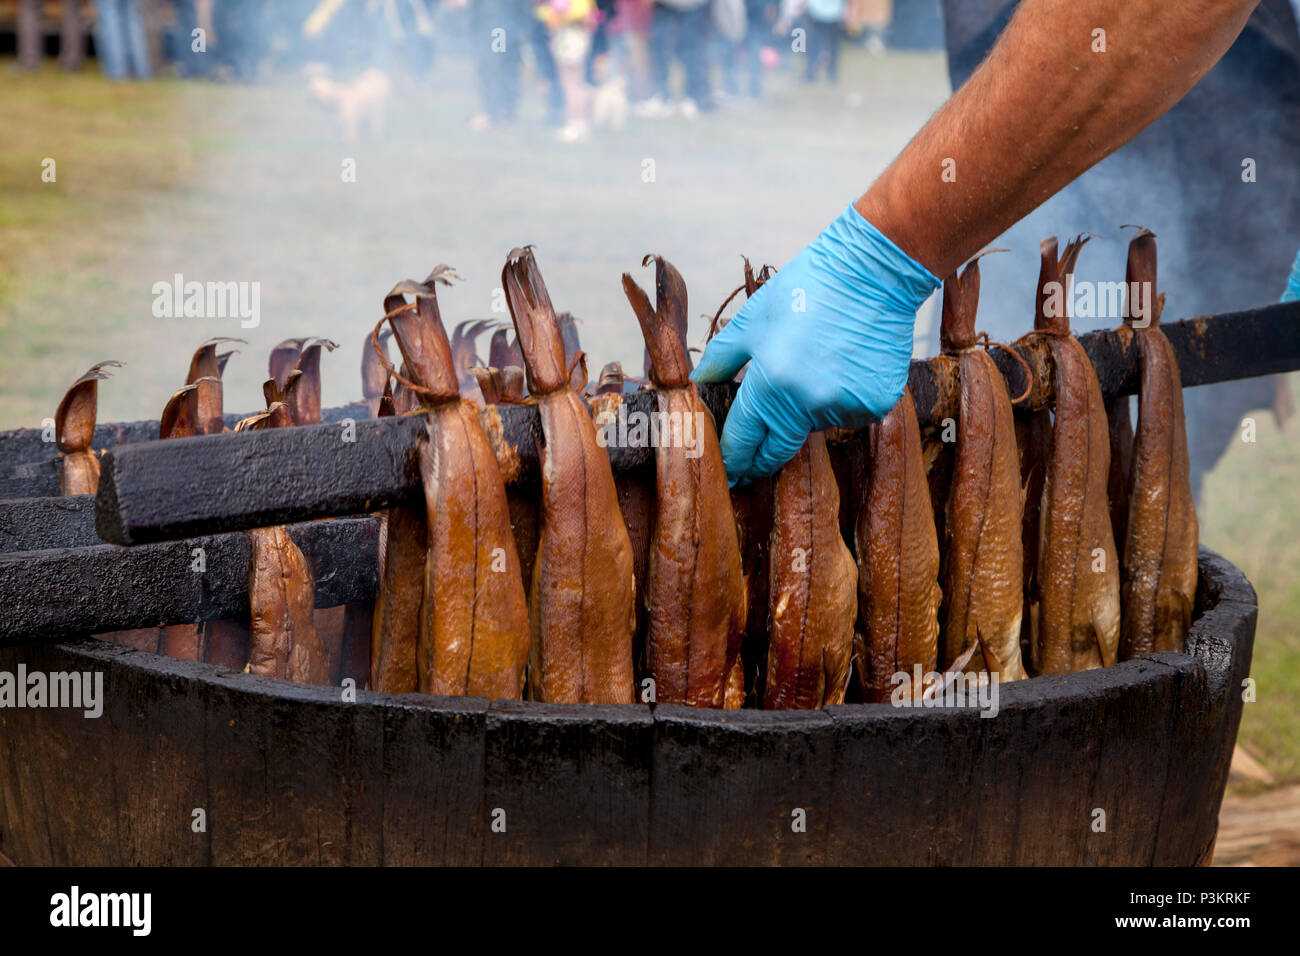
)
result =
(277, 196)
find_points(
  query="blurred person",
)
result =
(571, 24)
(539, 39)
(498, 59)
(727, 41)
(748, 56)
(868, 19)
(240, 31)
(679, 30)
(72, 35)
(630, 45)
(351, 36)
(120, 40)
(188, 16)
(823, 20)
(600, 39)
(496, 56)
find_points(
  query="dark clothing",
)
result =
(189, 62)
(600, 38)
(498, 69)
(684, 35)
(1224, 244)
(31, 41)
(823, 49)
(240, 36)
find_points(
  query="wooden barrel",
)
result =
(192, 764)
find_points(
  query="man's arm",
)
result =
(829, 337)
(1039, 111)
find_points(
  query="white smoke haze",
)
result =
(248, 185)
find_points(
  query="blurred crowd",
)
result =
(606, 59)
(596, 62)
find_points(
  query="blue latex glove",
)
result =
(828, 340)
(1292, 293)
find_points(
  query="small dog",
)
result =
(364, 100)
(609, 106)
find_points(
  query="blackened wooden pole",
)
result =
(165, 490)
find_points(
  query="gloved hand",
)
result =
(828, 340)
(1292, 293)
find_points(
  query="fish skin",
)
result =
(79, 474)
(813, 597)
(694, 594)
(227, 643)
(395, 626)
(583, 593)
(1158, 580)
(898, 555)
(141, 638)
(185, 642)
(582, 605)
(474, 629)
(1074, 609)
(1121, 464)
(984, 564)
(206, 369)
(1034, 439)
(282, 638)
(983, 561)
(305, 402)
(1079, 609)
(74, 431)
(282, 589)
(374, 377)
(283, 360)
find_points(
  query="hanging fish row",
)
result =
(1044, 543)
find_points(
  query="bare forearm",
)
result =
(1039, 111)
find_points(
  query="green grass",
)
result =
(232, 182)
(1253, 519)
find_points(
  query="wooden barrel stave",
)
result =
(299, 775)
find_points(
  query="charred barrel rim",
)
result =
(1223, 597)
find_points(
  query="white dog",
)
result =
(364, 100)
(609, 106)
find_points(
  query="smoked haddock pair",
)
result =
(1117, 541)
(451, 617)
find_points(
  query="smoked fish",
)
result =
(206, 369)
(281, 596)
(812, 589)
(583, 594)
(1159, 573)
(1077, 581)
(898, 557)
(74, 431)
(474, 628)
(983, 569)
(694, 595)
